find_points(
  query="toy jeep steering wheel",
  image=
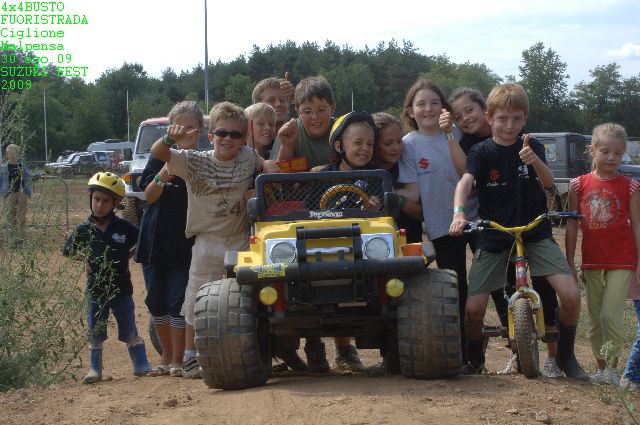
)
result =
(343, 189)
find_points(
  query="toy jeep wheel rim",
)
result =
(231, 336)
(429, 326)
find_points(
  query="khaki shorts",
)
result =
(488, 270)
(207, 265)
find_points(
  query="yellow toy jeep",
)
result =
(326, 259)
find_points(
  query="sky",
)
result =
(163, 34)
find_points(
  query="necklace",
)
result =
(226, 200)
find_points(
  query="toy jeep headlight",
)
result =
(377, 246)
(283, 252)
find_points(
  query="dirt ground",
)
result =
(295, 398)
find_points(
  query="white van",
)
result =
(122, 150)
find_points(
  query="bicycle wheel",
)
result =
(526, 337)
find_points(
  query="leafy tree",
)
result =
(543, 75)
(239, 90)
(599, 99)
(354, 79)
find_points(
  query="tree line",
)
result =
(79, 113)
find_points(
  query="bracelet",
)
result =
(158, 181)
(402, 201)
(458, 208)
(168, 141)
(450, 136)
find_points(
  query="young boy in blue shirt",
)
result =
(107, 242)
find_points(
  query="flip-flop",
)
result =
(159, 370)
(175, 372)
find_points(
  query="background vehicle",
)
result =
(84, 163)
(122, 150)
(149, 131)
(325, 259)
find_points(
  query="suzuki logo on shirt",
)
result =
(423, 163)
(119, 238)
(494, 177)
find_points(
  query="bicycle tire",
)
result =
(526, 338)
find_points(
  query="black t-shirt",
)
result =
(405, 221)
(509, 191)
(162, 238)
(468, 140)
(107, 255)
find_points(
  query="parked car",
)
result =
(149, 131)
(84, 163)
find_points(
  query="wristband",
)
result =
(450, 137)
(458, 208)
(159, 182)
(402, 201)
(168, 141)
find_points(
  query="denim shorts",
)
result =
(123, 310)
(165, 289)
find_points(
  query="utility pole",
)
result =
(206, 62)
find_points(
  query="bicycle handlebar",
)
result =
(480, 225)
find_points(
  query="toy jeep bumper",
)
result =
(326, 259)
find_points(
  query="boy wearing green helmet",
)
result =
(106, 243)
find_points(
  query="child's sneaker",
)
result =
(605, 376)
(347, 359)
(191, 369)
(316, 357)
(551, 369)
(626, 382)
(512, 366)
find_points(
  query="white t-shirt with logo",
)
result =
(426, 160)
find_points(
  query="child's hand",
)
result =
(372, 205)
(287, 88)
(527, 155)
(288, 134)
(457, 225)
(269, 166)
(446, 121)
(180, 133)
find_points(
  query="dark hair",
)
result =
(311, 87)
(473, 94)
(420, 84)
(384, 120)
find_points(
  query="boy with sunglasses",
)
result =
(216, 181)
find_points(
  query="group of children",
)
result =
(446, 175)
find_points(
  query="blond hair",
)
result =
(228, 111)
(189, 108)
(13, 150)
(262, 86)
(260, 109)
(509, 96)
(608, 129)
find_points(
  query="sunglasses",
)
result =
(224, 133)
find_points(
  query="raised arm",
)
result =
(457, 154)
(175, 133)
(529, 157)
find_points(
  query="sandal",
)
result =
(175, 372)
(159, 370)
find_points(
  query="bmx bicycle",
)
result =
(525, 315)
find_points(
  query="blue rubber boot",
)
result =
(138, 355)
(95, 370)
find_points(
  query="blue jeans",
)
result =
(165, 289)
(123, 310)
(632, 371)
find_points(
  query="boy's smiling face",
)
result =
(227, 146)
(506, 125)
(263, 130)
(278, 100)
(316, 116)
(357, 143)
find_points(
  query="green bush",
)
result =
(41, 298)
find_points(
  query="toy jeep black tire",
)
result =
(231, 336)
(429, 326)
